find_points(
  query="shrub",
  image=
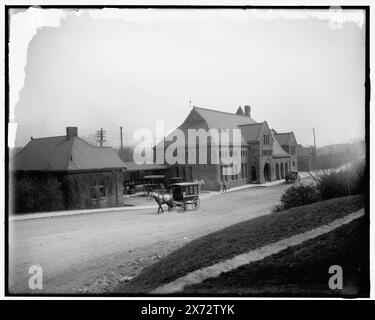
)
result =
(36, 195)
(24, 199)
(298, 195)
(349, 181)
(78, 188)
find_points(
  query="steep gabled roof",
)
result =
(87, 157)
(44, 154)
(211, 119)
(283, 138)
(62, 154)
(278, 151)
(252, 131)
(220, 119)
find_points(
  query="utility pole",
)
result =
(314, 140)
(121, 152)
(100, 135)
(116, 188)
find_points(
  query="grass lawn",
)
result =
(300, 270)
(239, 238)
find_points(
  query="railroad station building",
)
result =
(266, 155)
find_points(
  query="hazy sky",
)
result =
(146, 64)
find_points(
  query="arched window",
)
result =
(277, 172)
(267, 172)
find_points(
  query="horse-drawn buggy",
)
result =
(186, 194)
(183, 195)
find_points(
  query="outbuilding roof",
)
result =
(65, 154)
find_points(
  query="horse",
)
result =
(200, 183)
(163, 199)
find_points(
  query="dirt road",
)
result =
(91, 253)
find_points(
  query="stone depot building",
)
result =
(266, 155)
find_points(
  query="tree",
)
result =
(91, 139)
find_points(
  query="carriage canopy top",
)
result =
(154, 177)
(184, 184)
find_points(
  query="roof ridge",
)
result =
(249, 124)
(226, 112)
(284, 133)
(92, 146)
(96, 147)
(78, 137)
(47, 137)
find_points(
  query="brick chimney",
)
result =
(71, 132)
(247, 110)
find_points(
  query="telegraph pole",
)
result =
(314, 140)
(100, 135)
(121, 152)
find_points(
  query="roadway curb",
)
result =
(76, 212)
(53, 214)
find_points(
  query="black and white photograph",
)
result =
(187, 151)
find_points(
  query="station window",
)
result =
(99, 191)
(266, 139)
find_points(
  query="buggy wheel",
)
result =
(197, 204)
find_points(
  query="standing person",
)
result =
(224, 186)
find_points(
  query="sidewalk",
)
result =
(254, 185)
(52, 214)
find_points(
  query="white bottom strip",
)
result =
(215, 270)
